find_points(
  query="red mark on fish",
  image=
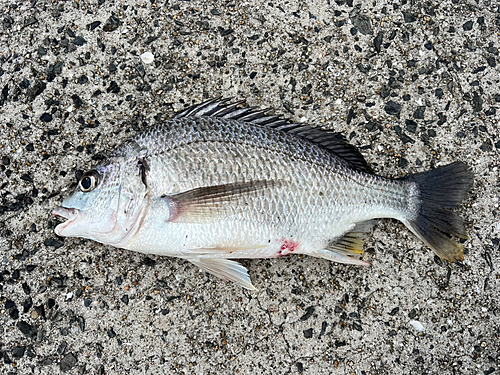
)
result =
(287, 247)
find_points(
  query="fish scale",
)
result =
(227, 183)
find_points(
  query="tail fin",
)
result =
(439, 190)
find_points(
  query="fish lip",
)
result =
(70, 214)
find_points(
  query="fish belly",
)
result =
(262, 227)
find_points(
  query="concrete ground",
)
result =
(413, 84)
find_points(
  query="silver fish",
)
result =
(219, 181)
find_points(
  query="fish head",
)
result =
(106, 205)
(91, 209)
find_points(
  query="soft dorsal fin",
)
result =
(331, 141)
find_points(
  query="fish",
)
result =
(220, 181)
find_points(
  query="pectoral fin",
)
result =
(205, 204)
(228, 270)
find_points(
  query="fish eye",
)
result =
(89, 181)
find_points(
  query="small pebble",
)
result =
(18, 351)
(417, 325)
(362, 23)
(79, 41)
(68, 362)
(53, 243)
(93, 25)
(392, 108)
(46, 117)
(27, 329)
(111, 24)
(468, 25)
(147, 57)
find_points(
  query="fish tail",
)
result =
(437, 192)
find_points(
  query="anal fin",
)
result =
(225, 269)
(335, 256)
(351, 243)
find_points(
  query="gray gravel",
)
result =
(412, 84)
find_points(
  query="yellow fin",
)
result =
(351, 243)
(347, 245)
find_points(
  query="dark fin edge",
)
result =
(331, 141)
(440, 190)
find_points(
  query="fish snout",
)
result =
(70, 214)
(64, 212)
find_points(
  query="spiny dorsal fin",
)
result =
(331, 141)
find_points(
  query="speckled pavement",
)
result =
(413, 84)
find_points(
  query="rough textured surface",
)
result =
(413, 84)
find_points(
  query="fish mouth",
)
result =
(70, 214)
